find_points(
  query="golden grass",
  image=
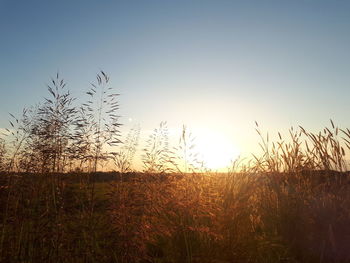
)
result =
(289, 204)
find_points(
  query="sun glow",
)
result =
(216, 150)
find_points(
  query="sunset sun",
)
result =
(216, 151)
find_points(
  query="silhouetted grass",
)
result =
(291, 203)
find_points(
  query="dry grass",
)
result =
(291, 203)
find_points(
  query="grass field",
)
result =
(228, 217)
(291, 203)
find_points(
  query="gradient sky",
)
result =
(216, 66)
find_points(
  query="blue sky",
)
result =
(213, 65)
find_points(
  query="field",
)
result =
(137, 217)
(291, 203)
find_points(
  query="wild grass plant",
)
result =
(123, 158)
(291, 203)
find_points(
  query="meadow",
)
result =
(289, 204)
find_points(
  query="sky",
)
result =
(215, 66)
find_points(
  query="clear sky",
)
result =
(216, 66)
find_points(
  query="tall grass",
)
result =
(124, 157)
(291, 203)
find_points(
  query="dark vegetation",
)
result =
(291, 204)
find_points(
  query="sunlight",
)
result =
(216, 150)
